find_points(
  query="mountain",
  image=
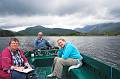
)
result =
(47, 31)
(100, 28)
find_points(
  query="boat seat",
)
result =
(41, 61)
(83, 73)
(91, 69)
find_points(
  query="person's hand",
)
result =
(28, 65)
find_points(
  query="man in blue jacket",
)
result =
(68, 55)
(41, 43)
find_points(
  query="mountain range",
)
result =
(100, 28)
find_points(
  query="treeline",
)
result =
(4, 33)
(100, 34)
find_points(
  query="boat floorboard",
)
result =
(42, 72)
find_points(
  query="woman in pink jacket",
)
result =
(13, 61)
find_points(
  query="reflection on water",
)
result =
(105, 48)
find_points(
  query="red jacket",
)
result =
(6, 62)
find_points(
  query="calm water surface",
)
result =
(104, 48)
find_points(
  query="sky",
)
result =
(17, 15)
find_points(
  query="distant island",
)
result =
(110, 29)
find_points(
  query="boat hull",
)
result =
(92, 68)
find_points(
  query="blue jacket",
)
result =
(42, 44)
(69, 51)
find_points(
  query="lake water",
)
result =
(104, 48)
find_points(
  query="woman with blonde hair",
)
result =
(68, 55)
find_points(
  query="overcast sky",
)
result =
(68, 14)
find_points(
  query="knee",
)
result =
(60, 60)
(55, 59)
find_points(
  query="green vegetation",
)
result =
(47, 31)
(4, 33)
(100, 34)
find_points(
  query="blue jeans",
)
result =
(18, 75)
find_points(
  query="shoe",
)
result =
(74, 66)
(58, 78)
(50, 75)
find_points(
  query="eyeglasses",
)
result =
(15, 43)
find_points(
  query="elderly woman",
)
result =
(13, 60)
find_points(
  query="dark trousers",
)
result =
(18, 75)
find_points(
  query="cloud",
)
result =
(56, 7)
(68, 13)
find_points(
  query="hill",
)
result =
(47, 31)
(4, 33)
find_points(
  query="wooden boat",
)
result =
(91, 68)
